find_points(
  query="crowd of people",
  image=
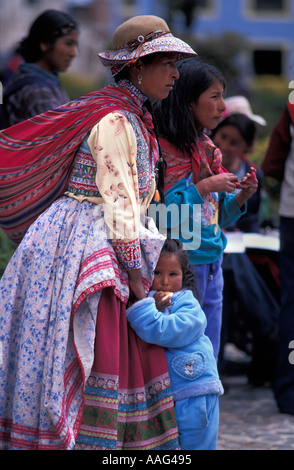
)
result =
(112, 332)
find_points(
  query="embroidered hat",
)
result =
(140, 36)
(240, 105)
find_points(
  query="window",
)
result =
(269, 5)
(268, 62)
(261, 9)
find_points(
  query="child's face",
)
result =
(168, 274)
(231, 143)
(208, 109)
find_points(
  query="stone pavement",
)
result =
(250, 420)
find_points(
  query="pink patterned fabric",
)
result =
(206, 161)
(50, 293)
(37, 154)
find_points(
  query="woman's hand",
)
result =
(137, 291)
(217, 183)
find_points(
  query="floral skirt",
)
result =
(72, 372)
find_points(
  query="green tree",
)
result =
(230, 53)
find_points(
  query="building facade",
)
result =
(268, 25)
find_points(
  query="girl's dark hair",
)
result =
(244, 124)
(47, 28)
(175, 247)
(173, 115)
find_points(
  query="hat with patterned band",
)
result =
(140, 36)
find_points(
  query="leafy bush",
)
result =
(78, 85)
(228, 52)
(269, 96)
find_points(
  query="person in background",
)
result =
(77, 183)
(195, 176)
(235, 137)
(172, 317)
(240, 105)
(251, 326)
(47, 50)
(278, 163)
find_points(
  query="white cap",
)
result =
(240, 105)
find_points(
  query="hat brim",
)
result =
(258, 119)
(165, 43)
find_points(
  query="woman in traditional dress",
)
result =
(73, 373)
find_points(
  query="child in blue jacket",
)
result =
(172, 317)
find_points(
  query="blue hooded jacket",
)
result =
(189, 352)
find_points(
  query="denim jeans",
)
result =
(198, 422)
(210, 283)
(284, 380)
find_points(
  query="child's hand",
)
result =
(217, 183)
(162, 299)
(249, 185)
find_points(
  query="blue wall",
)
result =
(231, 15)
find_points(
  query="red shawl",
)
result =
(206, 161)
(36, 155)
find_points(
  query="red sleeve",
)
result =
(278, 149)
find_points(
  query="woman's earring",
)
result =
(140, 78)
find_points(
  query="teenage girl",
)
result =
(195, 177)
